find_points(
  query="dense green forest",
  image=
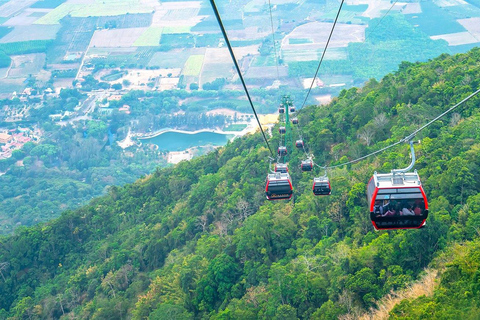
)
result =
(199, 240)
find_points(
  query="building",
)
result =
(5, 138)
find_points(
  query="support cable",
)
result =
(273, 37)
(225, 36)
(323, 54)
(407, 138)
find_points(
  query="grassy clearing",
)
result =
(150, 38)
(193, 66)
(113, 76)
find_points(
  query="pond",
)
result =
(178, 141)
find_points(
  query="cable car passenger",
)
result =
(397, 201)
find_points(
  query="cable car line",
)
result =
(225, 36)
(407, 138)
(323, 54)
(374, 28)
(273, 37)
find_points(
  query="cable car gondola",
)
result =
(306, 165)
(282, 151)
(278, 186)
(321, 186)
(292, 109)
(299, 144)
(295, 121)
(281, 167)
(397, 201)
(281, 110)
(282, 130)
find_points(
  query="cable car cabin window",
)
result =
(321, 187)
(400, 208)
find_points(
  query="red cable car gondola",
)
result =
(295, 121)
(321, 186)
(299, 144)
(282, 151)
(292, 109)
(306, 165)
(397, 201)
(281, 167)
(281, 110)
(278, 186)
(282, 130)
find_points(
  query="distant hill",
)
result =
(200, 241)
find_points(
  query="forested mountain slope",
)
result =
(200, 240)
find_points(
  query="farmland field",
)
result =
(4, 31)
(28, 33)
(15, 48)
(427, 21)
(299, 41)
(96, 9)
(47, 4)
(214, 71)
(24, 65)
(150, 37)
(181, 14)
(173, 59)
(176, 30)
(12, 7)
(193, 66)
(456, 39)
(115, 38)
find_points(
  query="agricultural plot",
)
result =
(8, 86)
(434, 20)
(411, 8)
(47, 4)
(12, 7)
(176, 30)
(265, 72)
(457, 39)
(29, 33)
(174, 58)
(149, 38)
(193, 66)
(26, 17)
(116, 38)
(181, 14)
(319, 32)
(24, 47)
(24, 65)
(212, 71)
(448, 3)
(138, 20)
(4, 31)
(310, 55)
(472, 25)
(249, 33)
(95, 9)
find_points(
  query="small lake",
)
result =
(177, 141)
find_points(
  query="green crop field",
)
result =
(115, 75)
(150, 38)
(193, 66)
(428, 20)
(23, 47)
(4, 31)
